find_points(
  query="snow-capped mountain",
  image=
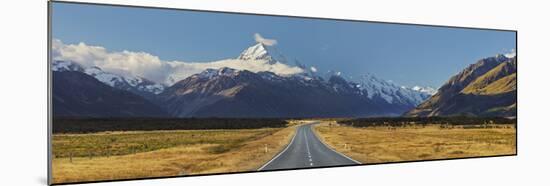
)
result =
(211, 73)
(373, 86)
(259, 51)
(511, 54)
(428, 90)
(76, 94)
(63, 66)
(391, 92)
(260, 83)
(135, 84)
(229, 92)
(125, 82)
(257, 58)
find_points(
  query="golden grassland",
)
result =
(127, 155)
(395, 144)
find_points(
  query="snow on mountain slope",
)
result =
(149, 66)
(427, 90)
(130, 83)
(107, 78)
(511, 54)
(257, 58)
(257, 52)
(181, 71)
(125, 82)
(389, 91)
(62, 66)
(211, 73)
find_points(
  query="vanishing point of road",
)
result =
(306, 150)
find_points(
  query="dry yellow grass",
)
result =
(202, 151)
(383, 144)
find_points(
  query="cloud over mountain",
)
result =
(260, 39)
(152, 67)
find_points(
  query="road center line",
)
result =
(282, 152)
(307, 147)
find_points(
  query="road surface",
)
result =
(306, 150)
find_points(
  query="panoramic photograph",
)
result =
(148, 93)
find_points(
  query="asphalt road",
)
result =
(306, 150)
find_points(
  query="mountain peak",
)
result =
(62, 66)
(390, 91)
(135, 84)
(210, 73)
(501, 57)
(485, 88)
(511, 54)
(428, 90)
(94, 71)
(259, 51)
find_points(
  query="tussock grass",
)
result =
(122, 143)
(379, 144)
(125, 155)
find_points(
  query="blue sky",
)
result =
(408, 55)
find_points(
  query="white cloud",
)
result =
(260, 39)
(152, 67)
(313, 69)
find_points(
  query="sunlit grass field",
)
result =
(139, 154)
(378, 144)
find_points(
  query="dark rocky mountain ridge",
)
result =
(76, 94)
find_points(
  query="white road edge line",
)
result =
(286, 148)
(310, 128)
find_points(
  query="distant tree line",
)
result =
(90, 125)
(403, 121)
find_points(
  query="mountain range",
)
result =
(230, 92)
(76, 94)
(485, 88)
(137, 85)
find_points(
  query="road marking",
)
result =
(307, 147)
(287, 146)
(331, 147)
